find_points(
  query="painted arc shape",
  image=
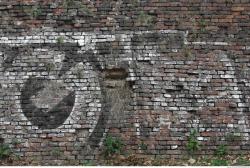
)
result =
(70, 110)
(43, 117)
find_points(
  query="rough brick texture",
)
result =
(147, 71)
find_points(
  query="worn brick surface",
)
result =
(146, 71)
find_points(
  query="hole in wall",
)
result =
(115, 73)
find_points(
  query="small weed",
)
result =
(56, 152)
(193, 144)
(243, 162)
(15, 142)
(69, 3)
(33, 11)
(221, 151)
(88, 163)
(145, 19)
(83, 8)
(36, 11)
(194, 35)
(5, 151)
(112, 146)
(219, 162)
(17, 157)
(134, 3)
(143, 146)
(204, 160)
(202, 24)
(60, 40)
(77, 5)
(49, 66)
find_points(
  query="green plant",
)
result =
(243, 162)
(49, 66)
(112, 146)
(134, 3)
(36, 11)
(33, 11)
(83, 8)
(60, 40)
(145, 19)
(56, 152)
(17, 156)
(143, 146)
(5, 151)
(193, 144)
(88, 163)
(221, 151)
(69, 3)
(77, 5)
(202, 25)
(194, 35)
(204, 160)
(219, 162)
(15, 141)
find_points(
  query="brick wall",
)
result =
(148, 71)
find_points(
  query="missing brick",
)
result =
(116, 73)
